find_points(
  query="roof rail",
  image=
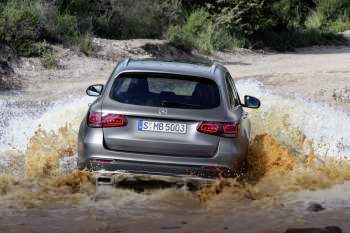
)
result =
(214, 66)
(127, 62)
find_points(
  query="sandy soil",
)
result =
(316, 73)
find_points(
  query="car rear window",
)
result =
(164, 90)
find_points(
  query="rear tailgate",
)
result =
(153, 102)
(132, 138)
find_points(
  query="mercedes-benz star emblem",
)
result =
(163, 111)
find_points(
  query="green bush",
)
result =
(49, 59)
(206, 25)
(48, 14)
(332, 8)
(83, 11)
(222, 39)
(330, 15)
(79, 8)
(195, 33)
(315, 21)
(67, 28)
(175, 36)
(200, 32)
(342, 23)
(287, 40)
(86, 44)
(19, 26)
(140, 19)
(122, 19)
(288, 13)
(41, 48)
(241, 16)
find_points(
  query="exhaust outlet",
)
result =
(104, 180)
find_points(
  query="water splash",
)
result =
(45, 150)
(290, 153)
(20, 119)
(299, 123)
(274, 170)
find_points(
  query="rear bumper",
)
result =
(228, 159)
(157, 169)
(116, 177)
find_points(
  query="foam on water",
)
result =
(289, 119)
(305, 127)
(20, 127)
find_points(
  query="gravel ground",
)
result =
(316, 73)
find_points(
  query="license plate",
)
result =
(159, 126)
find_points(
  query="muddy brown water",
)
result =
(299, 156)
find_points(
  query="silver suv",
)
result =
(165, 119)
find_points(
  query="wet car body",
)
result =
(171, 120)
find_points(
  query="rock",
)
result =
(143, 48)
(305, 230)
(333, 229)
(166, 51)
(8, 79)
(5, 68)
(7, 54)
(270, 231)
(328, 229)
(170, 228)
(10, 82)
(315, 207)
(346, 34)
(342, 95)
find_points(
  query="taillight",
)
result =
(219, 128)
(209, 128)
(230, 129)
(94, 119)
(114, 120)
(97, 120)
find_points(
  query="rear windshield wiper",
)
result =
(166, 103)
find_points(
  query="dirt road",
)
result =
(319, 73)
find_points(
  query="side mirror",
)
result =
(251, 102)
(94, 90)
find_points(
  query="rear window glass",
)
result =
(166, 91)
